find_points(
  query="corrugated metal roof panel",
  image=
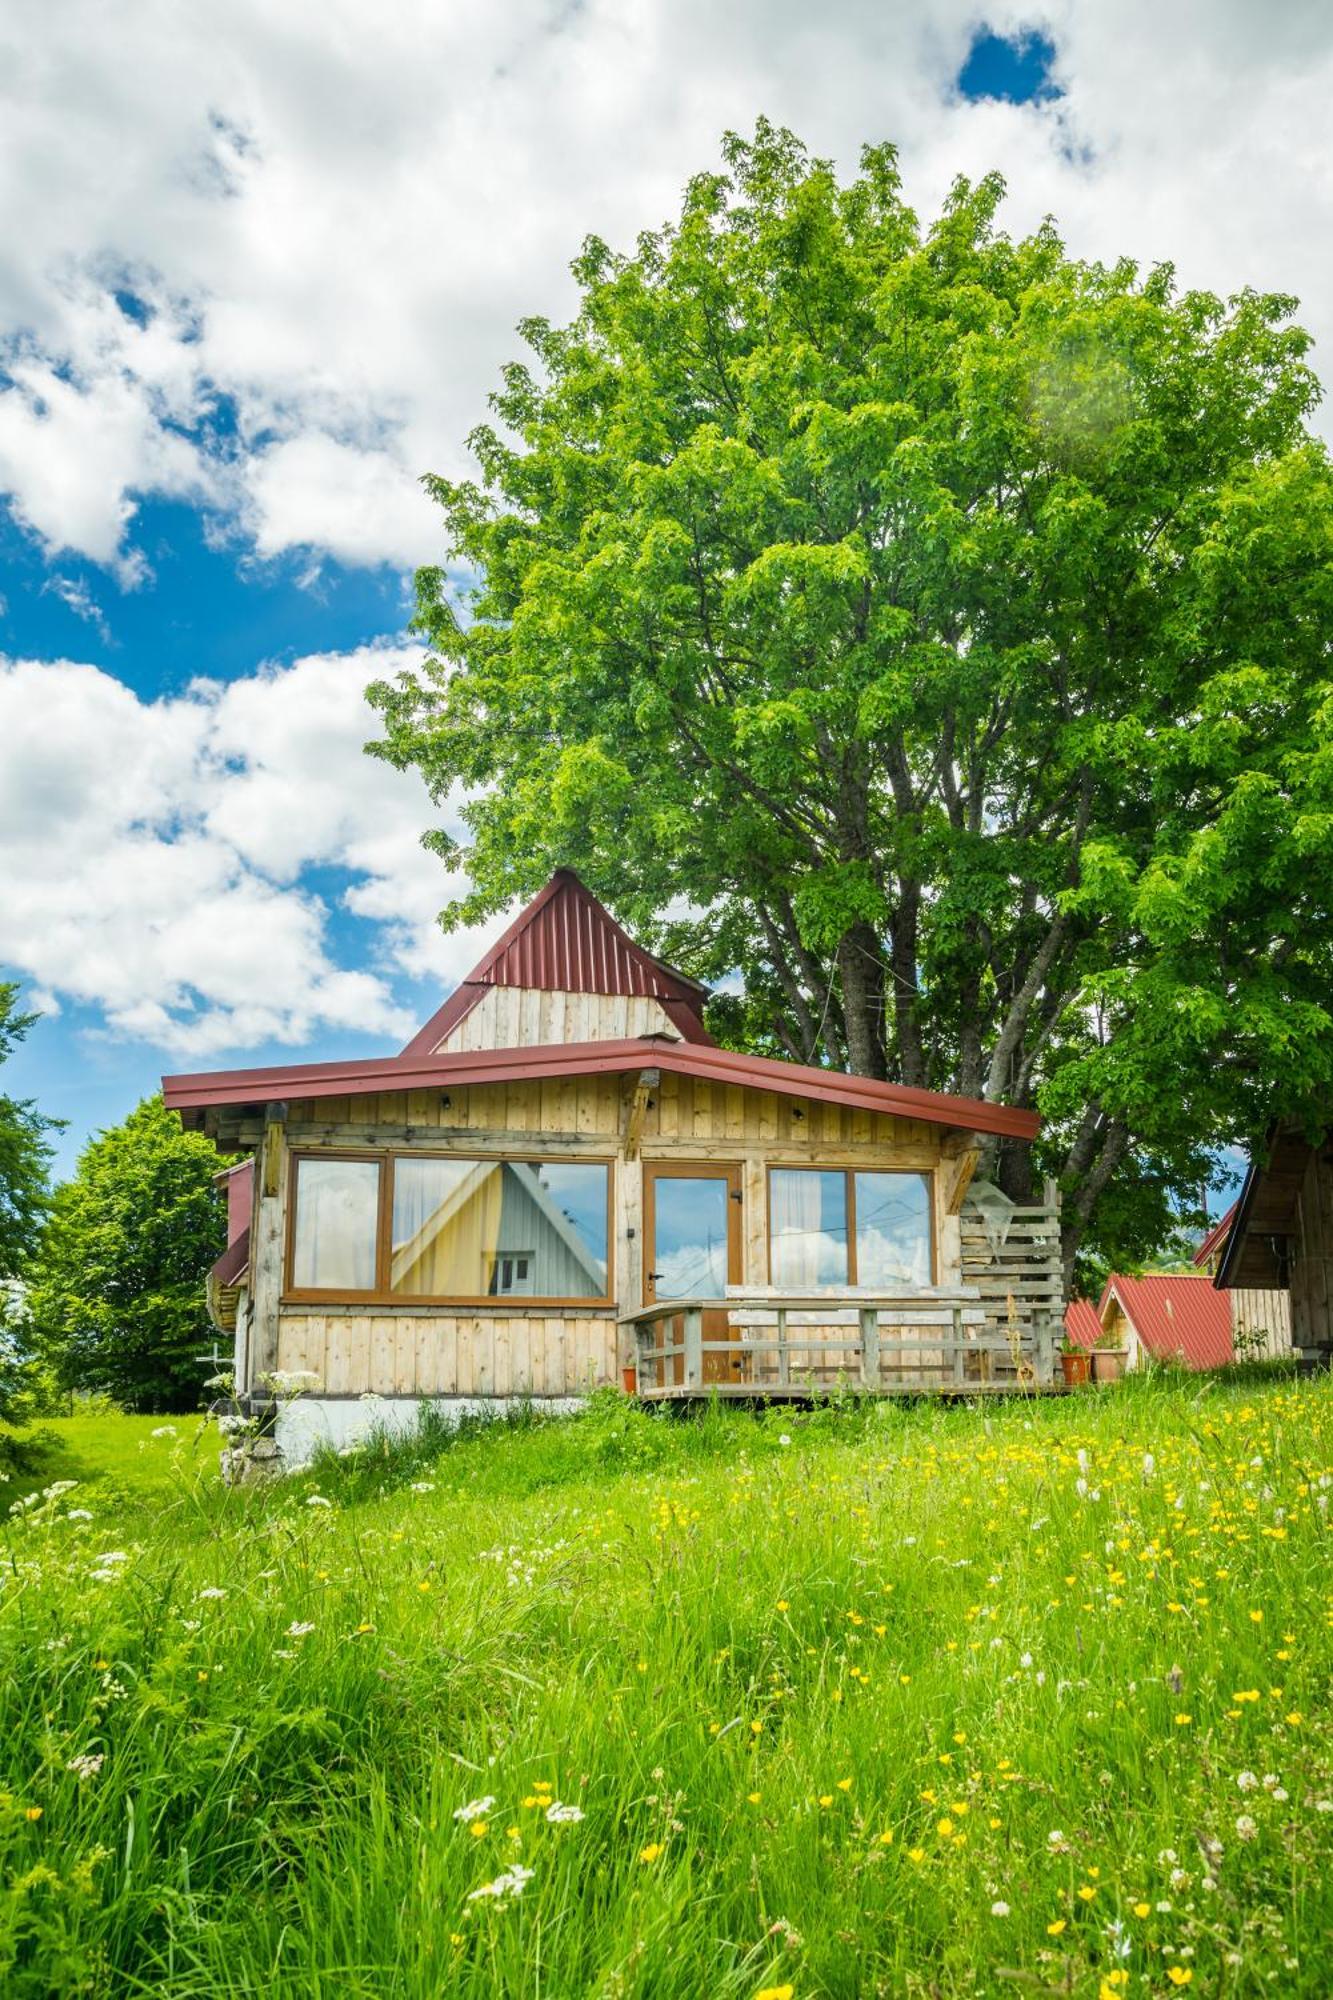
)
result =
(1177, 1317)
(1081, 1322)
(566, 941)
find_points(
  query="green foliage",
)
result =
(896, 1700)
(25, 1159)
(944, 619)
(25, 1151)
(117, 1288)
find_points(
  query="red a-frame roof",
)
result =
(566, 941)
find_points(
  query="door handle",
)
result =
(653, 1276)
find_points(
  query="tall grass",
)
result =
(874, 1700)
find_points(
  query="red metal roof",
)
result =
(1216, 1237)
(1177, 1317)
(234, 1262)
(1081, 1322)
(420, 1072)
(566, 941)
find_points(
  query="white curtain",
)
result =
(803, 1256)
(337, 1204)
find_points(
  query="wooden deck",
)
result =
(763, 1344)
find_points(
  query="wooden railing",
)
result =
(789, 1343)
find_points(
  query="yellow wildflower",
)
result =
(1054, 1930)
(651, 1852)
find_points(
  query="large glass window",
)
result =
(337, 1210)
(840, 1228)
(499, 1229)
(807, 1228)
(892, 1229)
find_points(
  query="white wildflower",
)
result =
(212, 1590)
(474, 1809)
(999, 1909)
(86, 1766)
(165, 1431)
(1025, 1660)
(78, 1514)
(317, 1500)
(1245, 1827)
(1056, 1841)
(423, 1485)
(112, 1556)
(1270, 1781)
(784, 1439)
(1246, 1782)
(1323, 1805)
(299, 1627)
(1167, 1857)
(560, 1815)
(1149, 1465)
(511, 1883)
(1180, 1881)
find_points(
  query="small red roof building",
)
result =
(1168, 1316)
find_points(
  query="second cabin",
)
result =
(562, 1182)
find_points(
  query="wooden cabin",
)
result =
(562, 1178)
(1280, 1237)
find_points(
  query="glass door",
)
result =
(692, 1243)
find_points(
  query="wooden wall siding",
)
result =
(494, 1351)
(1266, 1312)
(685, 1114)
(520, 1017)
(1312, 1261)
(433, 1354)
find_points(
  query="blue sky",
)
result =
(258, 276)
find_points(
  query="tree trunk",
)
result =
(861, 972)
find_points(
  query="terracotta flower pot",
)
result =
(630, 1380)
(1075, 1368)
(1108, 1363)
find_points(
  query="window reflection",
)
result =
(499, 1228)
(690, 1222)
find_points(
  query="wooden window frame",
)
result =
(849, 1170)
(381, 1298)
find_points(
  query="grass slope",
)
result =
(890, 1701)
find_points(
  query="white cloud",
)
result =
(154, 853)
(338, 212)
(359, 506)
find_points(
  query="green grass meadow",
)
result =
(924, 1700)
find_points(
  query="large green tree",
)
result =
(117, 1289)
(945, 620)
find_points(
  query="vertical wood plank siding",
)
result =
(505, 1351)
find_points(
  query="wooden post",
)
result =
(268, 1248)
(959, 1358)
(636, 1108)
(694, 1357)
(644, 1336)
(784, 1358)
(870, 1347)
